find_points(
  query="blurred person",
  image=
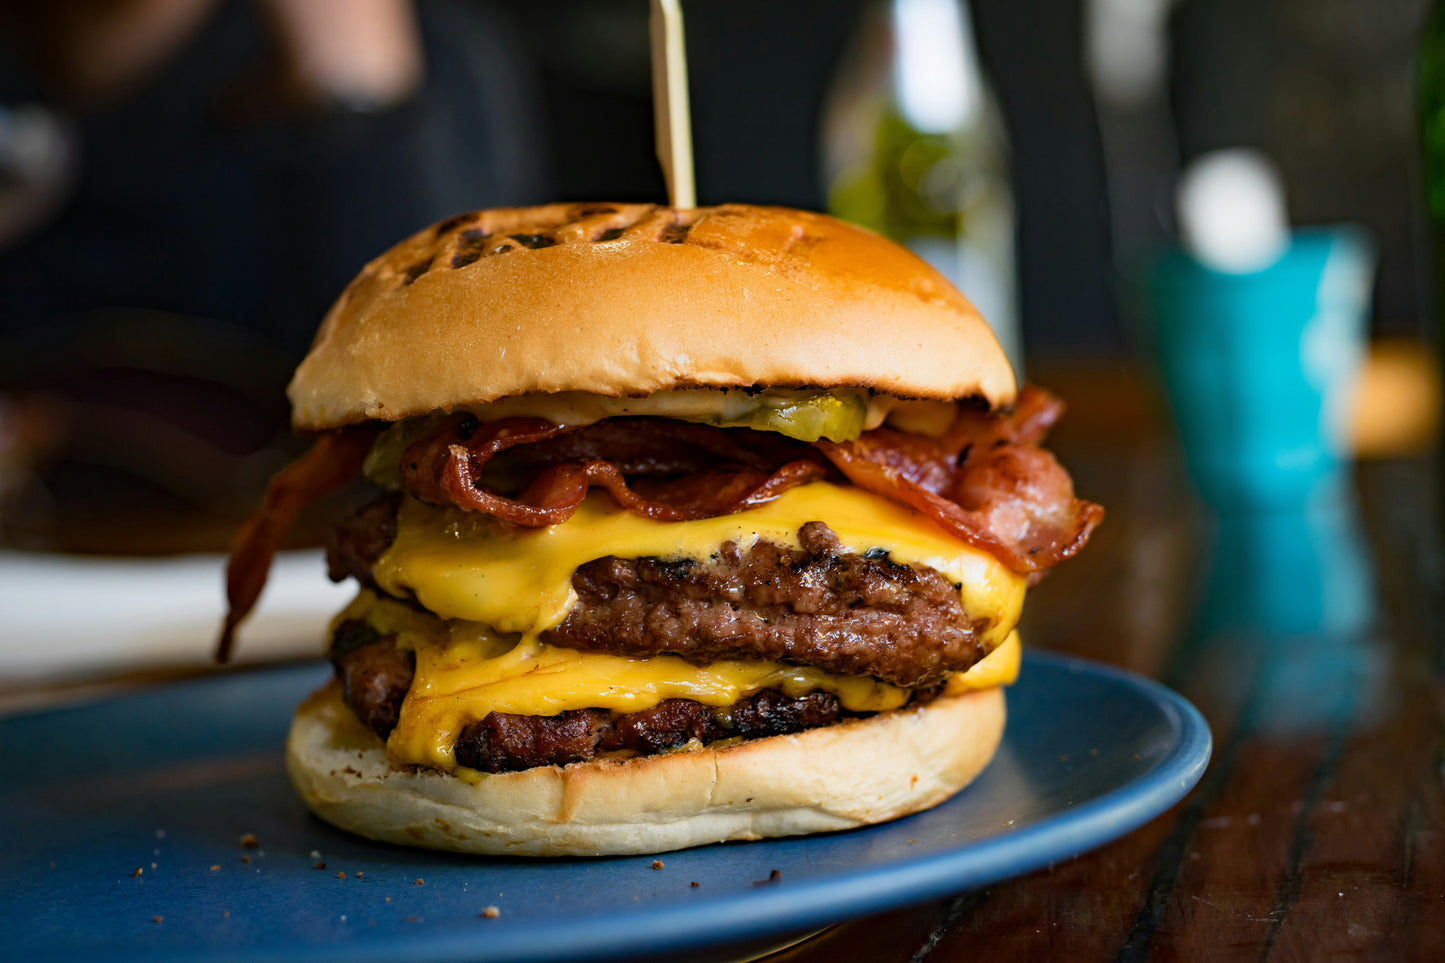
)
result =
(235, 161)
(239, 159)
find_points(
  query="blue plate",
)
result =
(167, 781)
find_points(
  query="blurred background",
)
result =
(185, 186)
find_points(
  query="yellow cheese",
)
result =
(999, 667)
(464, 565)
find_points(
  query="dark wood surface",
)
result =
(1318, 831)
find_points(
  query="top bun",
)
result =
(630, 299)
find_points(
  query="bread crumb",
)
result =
(694, 884)
(418, 882)
(157, 919)
(320, 865)
(491, 913)
(359, 875)
(773, 877)
(340, 875)
(248, 841)
(657, 864)
(245, 859)
(216, 867)
(227, 914)
(137, 872)
(388, 899)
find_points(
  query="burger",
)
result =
(689, 526)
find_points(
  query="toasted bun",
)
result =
(630, 299)
(839, 777)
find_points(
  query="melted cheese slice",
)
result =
(492, 583)
(463, 565)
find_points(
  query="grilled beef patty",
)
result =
(846, 613)
(503, 742)
(375, 675)
(814, 605)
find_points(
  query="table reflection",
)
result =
(1292, 594)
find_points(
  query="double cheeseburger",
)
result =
(690, 526)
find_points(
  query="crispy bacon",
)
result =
(657, 468)
(331, 461)
(986, 481)
(1034, 414)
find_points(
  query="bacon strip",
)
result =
(664, 470)
(1034, 414)
(985, 481)
(331, 461)
(1015, 502)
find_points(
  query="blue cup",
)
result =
(1259, 367)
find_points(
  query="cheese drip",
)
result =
(465, 565)
(464, 671)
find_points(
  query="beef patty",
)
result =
(813, 605)
(375, 675)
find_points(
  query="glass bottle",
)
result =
(914, 149)
(1430, 103)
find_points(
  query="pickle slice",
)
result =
(383, 463)
(837, 417)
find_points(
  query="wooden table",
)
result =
(1318, 831)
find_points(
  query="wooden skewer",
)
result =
(670, 111)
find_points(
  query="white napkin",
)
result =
(67, 616)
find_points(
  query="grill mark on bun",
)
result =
(469, 246)
(675, 233)
(416, 270)
(464, 239)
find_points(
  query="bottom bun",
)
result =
(842, 776)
